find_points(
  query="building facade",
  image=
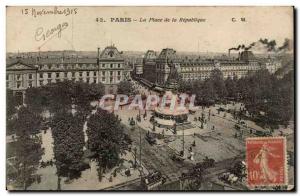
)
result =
(193, 69)
(108, 68)
(272, 65)
(164, 61)
(112, 69)
(149, 66)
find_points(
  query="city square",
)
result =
(142, 114)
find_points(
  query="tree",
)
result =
(96, 91)
(60, 96)
(28, 151)
(263, 92)
(185, 86)
(232, 87)
(67, 132)
(216, 77)
(27, 123)
(211, 89)
(11, 110)
(207, 94)
(125, 88)
(11, 104)
(106, 139)
(281, 101)
(37, 99)
(53, 97)
(83, 93)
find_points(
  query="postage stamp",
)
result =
(266, 161)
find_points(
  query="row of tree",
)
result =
(26, 147)
(126, 88)
(106, 140)
(68, 136)
(56, 97)
(69, 105)
(267, 98)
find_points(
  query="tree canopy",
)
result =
(67, 132)
(27, 151)
(11, 103)
(125, 88)
(60, 96)
(260, 91)
(106, 139)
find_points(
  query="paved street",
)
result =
(157, 157)
(216, 141)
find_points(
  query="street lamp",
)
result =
(135, 150)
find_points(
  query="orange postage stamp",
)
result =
(266, 161)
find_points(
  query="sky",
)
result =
(218, 33)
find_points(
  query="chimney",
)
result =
(98, 56)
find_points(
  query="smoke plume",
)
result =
(265, 45)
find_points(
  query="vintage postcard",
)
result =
(150, 98)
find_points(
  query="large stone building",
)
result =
(271, 64)
(157, 68)
(108, 68)
(164, 61)
(201, 69)
(112, 68)
(149, 66)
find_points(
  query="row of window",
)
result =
(111, 79)
(19, 76)
(65, 74)
(68, 66)
(79, 66)
(196, 78)
(110, 65)
(240, 68)
(58, 74)
(111, 73)
(222, 68)
(48, 81)
(20, 84)
(206, 76)
(196, 69)
(189, 75)
(196, 74)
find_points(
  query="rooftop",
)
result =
(111, 52)
(45, 60)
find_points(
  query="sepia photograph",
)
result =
(150, 98)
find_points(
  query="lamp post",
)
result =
(140, 147)
(182, 143)
(135, 154)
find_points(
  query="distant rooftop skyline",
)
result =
(82, 32)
